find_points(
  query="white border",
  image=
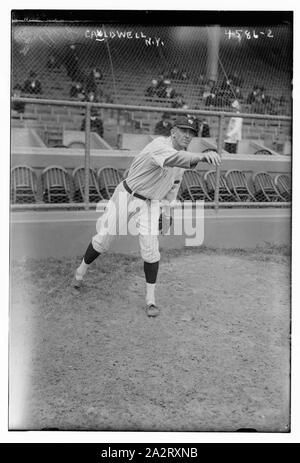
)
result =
(108, 437)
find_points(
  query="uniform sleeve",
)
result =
(161, 152)
(164, 155)
(182, 159)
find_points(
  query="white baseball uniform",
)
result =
(155, 173)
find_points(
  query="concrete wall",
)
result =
(67, 233)
(21, 137)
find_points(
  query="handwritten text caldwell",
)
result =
(100, 35)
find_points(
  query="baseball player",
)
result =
(155, 174)
(234, 130)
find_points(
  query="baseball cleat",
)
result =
(152, 310)
(77, 281)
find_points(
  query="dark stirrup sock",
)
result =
(151, 271)
(90, 254)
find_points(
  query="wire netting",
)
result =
(169, 67)
(187, 61)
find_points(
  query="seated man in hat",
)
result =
(164, 126)
(32, 85)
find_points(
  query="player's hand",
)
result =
(212, 158)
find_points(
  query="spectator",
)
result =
(164, 126)
(175, 73)
(162, 77)
(206, 92)
(169, 91)
(223, 94)
(205, 130)
(258, 106)
(264, 97)
(77, 91)
(161, 85)
(71, 61)
(178, 101)
(234, 130)
(92, 97)
(96, 125)
(96, 121)
(253, 95)
(17, 106)
(152, 90)
(210, 99)
(93, 81)
(32, 85)
(238, 93)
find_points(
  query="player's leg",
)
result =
(149, 247)
(90, 255)
(107, 227)
(151, 272)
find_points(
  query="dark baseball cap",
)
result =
(184, 122)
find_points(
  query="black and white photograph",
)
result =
(150, 221)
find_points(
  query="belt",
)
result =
(132, 193)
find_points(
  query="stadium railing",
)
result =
(87, 106)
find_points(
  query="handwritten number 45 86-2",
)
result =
(239, 33)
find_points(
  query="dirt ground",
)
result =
(216, 359)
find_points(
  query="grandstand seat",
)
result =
(192, 187)
(56, 185)
(265, 189)
(224, 192)
(78, 175)
(283, 185)
(237, 184)
(23, 185)
(108, 178)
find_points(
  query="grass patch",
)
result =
(267, 252)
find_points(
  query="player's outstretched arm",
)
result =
(187, 160)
